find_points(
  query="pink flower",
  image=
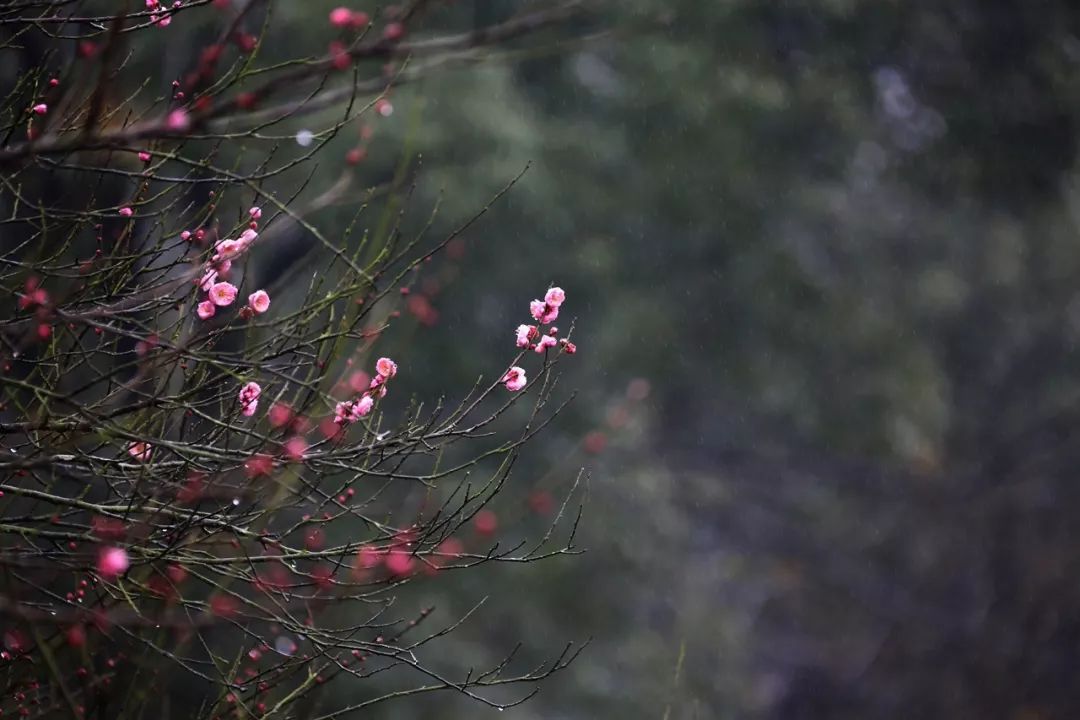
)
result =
(205, 310)
(258, 464)
(545, 342)
(222, 294)
(525, 333)
(186, 235)
(178, 120)
(359, 380)
(378, 385)
(41, 108)
(255, 213)
(386, 367)
(399, 562)
(536, 309)
(113, 562)
(226, 249)
(151, 4)
(259, 301)
(341, 17)
(246, 238)
(280, 414)
(367, 557)
(249, 398)
(165, 21)
(208, 280)
(543, 311)
(126, 211)
(352, 410)
(144, 156)
(514, 379)
(568, 347)
(555, 297)
(140, 451)
(295, 447)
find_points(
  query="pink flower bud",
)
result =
(41, 108)
(205, 310)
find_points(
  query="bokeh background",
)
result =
(823, 265)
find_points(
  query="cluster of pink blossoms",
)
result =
(351, 411)
(531, 337)
(220, 292)
(159, 14)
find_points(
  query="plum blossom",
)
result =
(525, 334)
(259, 301)
(222, 294)
(378, 385)
(359, 380)
(352, 410)
(543, 312)
(341, 17)
(514, 379)
(144, 156)
(386, 367)
(178, 120)
(140, 450)
(280, 414)
(295, 447)
(544, 343)
(246, 238)
(113, 562)
(208, 279)
(126, 211)
(255, 213)
(205, 310)
(227, 249)
(399, 561)
(40, 109)
(568, 347)
(249, 398)
(555, 297)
